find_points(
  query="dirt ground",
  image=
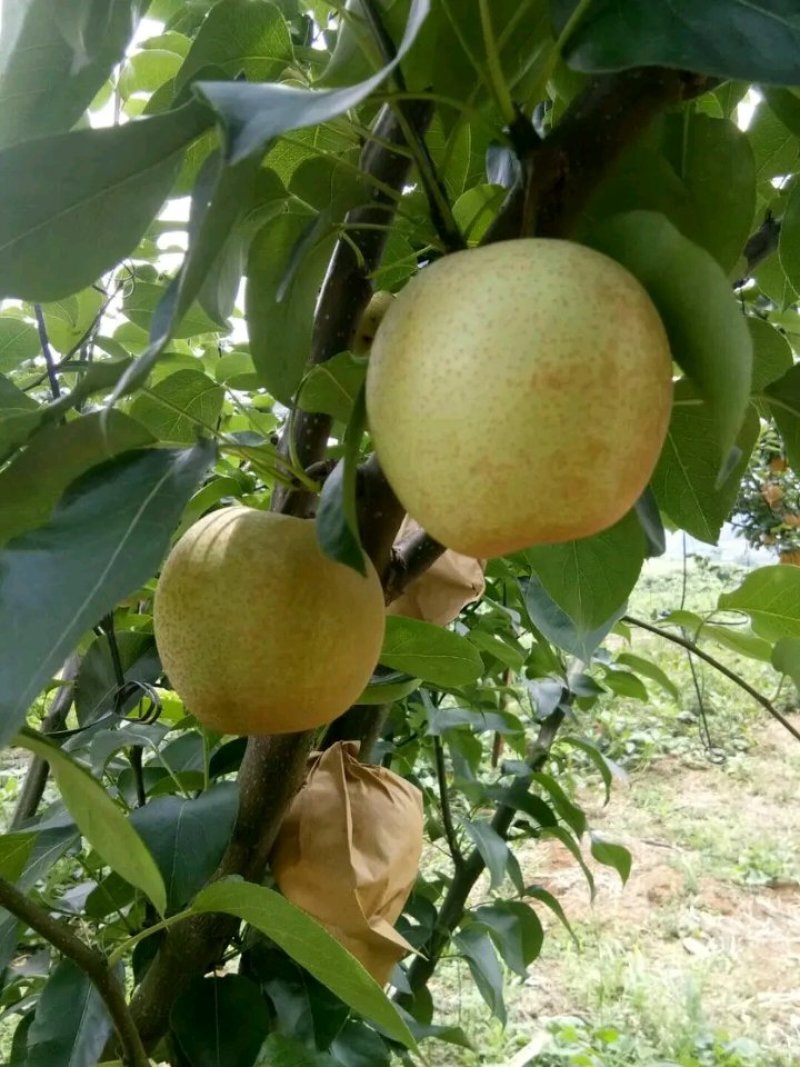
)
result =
(707, 930)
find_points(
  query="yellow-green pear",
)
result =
(519, 394)
(259, 632)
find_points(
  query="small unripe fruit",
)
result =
(258, 631)
(519, 394)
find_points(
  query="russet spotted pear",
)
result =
(258, 631)
(519, 394)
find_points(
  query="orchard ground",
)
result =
(695, 961)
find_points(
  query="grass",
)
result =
(694, 963)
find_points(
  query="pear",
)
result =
(519, 394)
(259, 632)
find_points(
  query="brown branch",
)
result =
(561, 172)
(273, 767)
(452, 910)
(444, 804)
(30, 795)
(737, 679)
(92, 963)
(409, 560)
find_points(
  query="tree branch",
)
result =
(444, 804)
(409, 560)
(560, 173)
(92, 963)
(274, 767)
(760, 246)
(30, 795)
(737, 679)
(454, 904)
(47, 352)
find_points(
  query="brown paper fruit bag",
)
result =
(348, 852)
(448, 585)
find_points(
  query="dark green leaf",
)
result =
(726, 38)
(572, 815)
(71, 1024)
(283, 1051)
(789, 240)
(492, 848)
(625, 684)
(685, 479)
(783, 396)
(612, 855)
(358, 1046)
(557, 626)
(771, 597)
(53, 60)
(96, 684)
(279, 322)
(337, 519)
(106, 537)
(552, 903)
(219, 1022)
(101, 822)
(31, 485)
(477, 948)
(254, 114)
(429, 652)
(607, 768)
(119, 174)
(187, 837)
(443, 719)
(310, 945)
(650, 670)
(15, 850)
(590, 579)
(19, 417)
(711, 344)
(572, 846)
(181, 407)
(515, 930)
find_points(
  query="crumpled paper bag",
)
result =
(439, 594)
(348, 853)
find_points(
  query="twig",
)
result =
(92, 963)
(135, 751)
(760, 246)
(444, 803)
(452, 909)
(47, 352)
(409, 560)
(737, 679)
(38, 769)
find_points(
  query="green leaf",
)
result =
(726, 38)
(254, 114)
(547, 898)
(241, 37)
(98, 818)
(53, 61)
(19, 417)
(15, 848)
(310, 945)
(19, 342)
(187, 837)
(686, 475)
(607, 768)
(31, 485)
(337, 519)
(145, 304)
(516, 931)
(591, 578)
(333, 387)
(789, 240)
(71, 1024)
(280, 317)
(147, 71)
(440, 720)
(572, 815)
(492, 848)
(783, 397)
(119, 174)
(96, 684)
(786, 658)
(557, 626)
(572, 846)
(612, 855)
(477, 948)
(180, 408)
(738, 639)
(382, 690)
(625, 684)
(710, 343)
(650, 670)
(771, 597)
(281, 1050)
(105, 539)
(774, 147)
(220, 1020)
(429, 652)
(772, 353)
